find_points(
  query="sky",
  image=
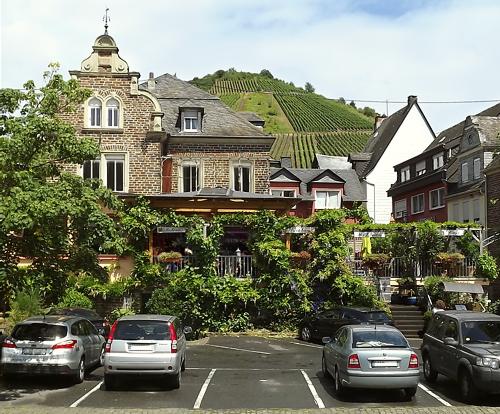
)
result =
(380, 50)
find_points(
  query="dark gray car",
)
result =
(464, 346)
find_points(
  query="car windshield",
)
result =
(138, 330)
(378, 316)
(481, 332)
(39, 332)
(378, 339)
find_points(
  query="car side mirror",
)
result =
(187, 330)
(327, 340)
(450, 341)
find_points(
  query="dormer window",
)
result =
(113, 107)
(405, 174)
(191, 121)
(438, 160)
(420, 168)
(95, 112)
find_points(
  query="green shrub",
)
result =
(435, 288)
(486, 267)
(118, 313)
(494, 307)
(26, 303)
(375, 260)
(74, 299)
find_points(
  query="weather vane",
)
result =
(106, 19)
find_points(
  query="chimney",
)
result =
(151, 81)
(412, 99)
(378, 121)
(286, 162)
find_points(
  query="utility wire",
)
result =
(425, 102)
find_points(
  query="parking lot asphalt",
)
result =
(232, 373)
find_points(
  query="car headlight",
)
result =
(492, 363)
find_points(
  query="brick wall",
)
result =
(144, 155)
(216, 162)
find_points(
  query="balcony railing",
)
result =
(237, 266)
(399, 267)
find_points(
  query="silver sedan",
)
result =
(49, 345)
(370, 356)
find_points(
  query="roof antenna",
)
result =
(106, 19)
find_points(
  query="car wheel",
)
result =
(183, 365)
(468, 390)
(80, 372)
(109, 382)
(305, 334)
(176, 380)
(410, 392)
(101, 358)
(429, 373)
(324, 368)
(338, 387)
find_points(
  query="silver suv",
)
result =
(65, 345)
(146, 345)
(464, 346)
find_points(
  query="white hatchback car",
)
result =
(145, 345)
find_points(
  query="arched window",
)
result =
(95, 110)
(113, 107)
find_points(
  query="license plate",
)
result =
(34, 351)
(384, 364)
(141, 347)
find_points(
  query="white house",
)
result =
(403, 135)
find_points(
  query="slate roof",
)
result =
(488, 128)
(250, 116)
(382, 137)
(221, 192)
(493, 165)
(218, 120)
(451, 136)
(353, 191)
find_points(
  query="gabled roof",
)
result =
(488, 128)
(353, 191)
(451, 136)
(283, 174)
(218, 120)
(383, 136)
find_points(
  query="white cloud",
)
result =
(446, 51)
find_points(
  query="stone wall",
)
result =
(144, 167)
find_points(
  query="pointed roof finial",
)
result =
(106, 19)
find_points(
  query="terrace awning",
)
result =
(463, 287)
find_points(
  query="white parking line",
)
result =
(437, 397)
(203, 390)
(244, 369)
(240, 349)
(317, 399)
(75, 404)
(309, 345)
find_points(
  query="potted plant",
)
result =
(169, 257)
(375, 261)
(449, 262)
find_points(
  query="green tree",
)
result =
(309, 88)
(50, 216)
(266, 73)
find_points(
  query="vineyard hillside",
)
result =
(304, 123)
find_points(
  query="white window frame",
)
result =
(465, 172)
(103, 170)
(437, 161)
(199, 171)
(188, 117)
(94, 105)
(440, 198)
(92, 162)
(477, 168)
(113, 121)
(242, 164)
(405, 174)
(420, 168)
(329, 195)
(413, 211)
(401, 212)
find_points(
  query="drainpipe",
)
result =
(373, 185)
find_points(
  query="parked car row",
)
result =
(65, 344)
